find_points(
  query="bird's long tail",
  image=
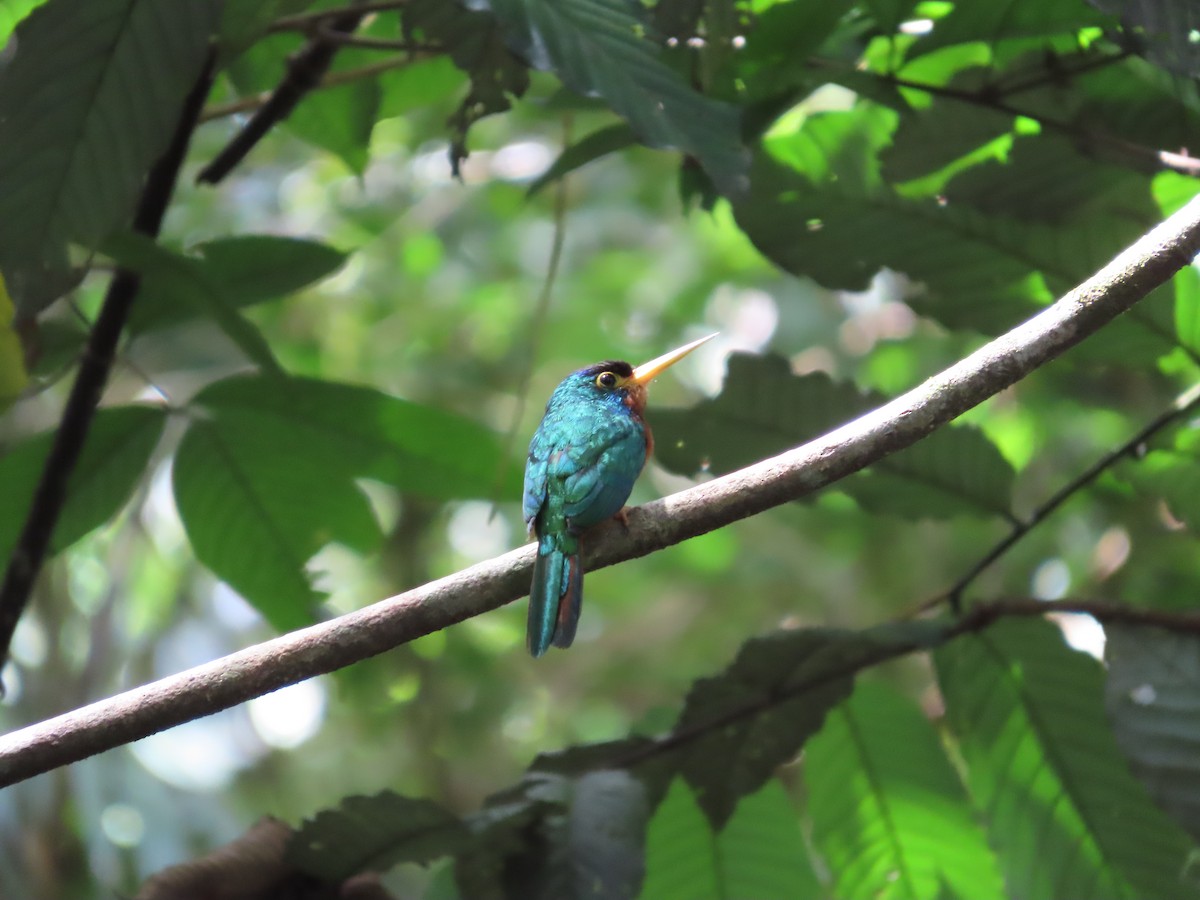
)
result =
(556, 595)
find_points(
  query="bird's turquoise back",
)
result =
(583, 461)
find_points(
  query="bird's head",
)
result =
(627, 384)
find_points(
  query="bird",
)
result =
(583, 460)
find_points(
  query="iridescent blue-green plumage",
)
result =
(583, 460)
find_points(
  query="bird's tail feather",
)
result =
(555, 597)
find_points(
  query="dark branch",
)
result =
(1183, 405)
(305, 69)
(94, 367)
(384, 625)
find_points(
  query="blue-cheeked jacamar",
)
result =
(583, 460)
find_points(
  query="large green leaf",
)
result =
(80, 138)
(1062, 811)
(889, 814)
(240, 271)
(757, 714)
(598, 48)
(1153, 700)
(259, 499)
(265, 477)
(178, 284)
(680, 850)
(113, 461)
(371, 834)
(763, 409)
(759, 853)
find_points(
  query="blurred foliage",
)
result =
(337, 354)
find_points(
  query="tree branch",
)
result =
(333, 79)
(305, 69)
(1185, 403)
(375, 629)
(94, 367)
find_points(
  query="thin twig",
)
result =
(355, 636)
(306, 21)
(1050, 76)
(333, 79)
(1183, 404)
(305, 69)
(373, 43)
(94, 367)
(541, 313)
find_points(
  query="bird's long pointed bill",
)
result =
(647, 372)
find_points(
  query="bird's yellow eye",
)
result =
(606, 380)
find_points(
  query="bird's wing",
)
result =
(597, 482)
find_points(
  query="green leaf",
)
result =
(12, 13)
(473, 40)
(596, 145)
(1011, 20)
(680, 851)
(259, 498)
(340, 119)
(818, 207)
(257, 267)
(759, 853)
(1063, 813)
(80, 138)
(761, 849)
(266, 476)
(230, 272)
(416, 448)
(763, 409)
(597, 48)
(889, 814)
(372, 834)
(756, 715)
(113, 461)
(1153, 699)
(174, 282)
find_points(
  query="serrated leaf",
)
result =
(174, 282)
(1062, 811)
(80, 138)
(759, 853)
(679, 850)
(1153, 700)
(761, 849)
(372, 834)
(889, 814)
(114, 459)
(758, 713)
(763, 409)
(597, 47)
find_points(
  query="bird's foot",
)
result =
(622, 516)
